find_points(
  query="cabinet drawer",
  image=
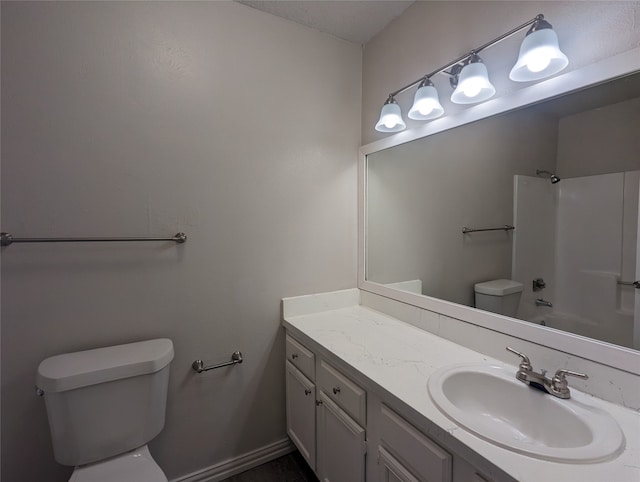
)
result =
(420, 455)
(347, 395)
(302, 359)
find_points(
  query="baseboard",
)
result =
(230, 467)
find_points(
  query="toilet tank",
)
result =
(107, 401)
(498, 296)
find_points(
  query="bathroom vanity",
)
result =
(405, 378)
(358, 406)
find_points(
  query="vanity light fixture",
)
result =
(426, 103)
(540, 57)
(471, 81)
(390, 117)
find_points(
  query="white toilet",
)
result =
(104, 406)
(498, 296)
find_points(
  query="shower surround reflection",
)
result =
(587, 227)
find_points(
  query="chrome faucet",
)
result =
(556, 386)
(541, 302)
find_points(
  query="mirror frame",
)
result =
(588, 348)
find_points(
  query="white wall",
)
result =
(630, 218)
(535, 204)
(430, 34)
(592, 208)
(148, 118)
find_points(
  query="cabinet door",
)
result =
(391, 470)
(341, 444)
(301, 413)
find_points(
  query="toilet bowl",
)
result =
(104, 406)
(134, 466)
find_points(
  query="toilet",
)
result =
(104, 406)
(498, 296)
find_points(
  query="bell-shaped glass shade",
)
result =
(473, 85)
(390, 118)
(426, 104)
(540, 57)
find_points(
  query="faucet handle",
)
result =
(559, 382)
(561, 375)
(525, 364)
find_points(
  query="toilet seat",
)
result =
(134, 466)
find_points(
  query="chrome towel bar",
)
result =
(198, 365)
(506, 227)
(635, 284)
(6, 239)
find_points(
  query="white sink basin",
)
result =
(489, 402)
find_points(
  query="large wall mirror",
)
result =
(532, 213)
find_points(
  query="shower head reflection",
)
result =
(552, 177)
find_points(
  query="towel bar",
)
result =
(198, 365)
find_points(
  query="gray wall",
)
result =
(600, 141)
(148, 118)
(430, 34)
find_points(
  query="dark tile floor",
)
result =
(289, 468)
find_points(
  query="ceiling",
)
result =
(354, 20)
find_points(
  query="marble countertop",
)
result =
(398, 358)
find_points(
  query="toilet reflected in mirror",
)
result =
(498, 296)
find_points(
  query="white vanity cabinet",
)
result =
(301, 410)
(349, 435)
(301, 399)
(326, 416)
(341, 444)
(392, 470)
(405, 454)
(341, 437)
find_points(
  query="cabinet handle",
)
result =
(307, 391)
(336, 390)
(294, 356)
(318, 403)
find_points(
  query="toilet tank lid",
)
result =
(498, 287)
(80, 369)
